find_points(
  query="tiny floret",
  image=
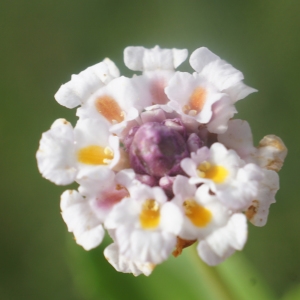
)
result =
(160, 163)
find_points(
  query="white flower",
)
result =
(159, 162)
(86, 210)
(203, 212)
(117, 103)
(192, 95)
(103, 189)
(269, 155)
(233, 182)
(208, 95)
(145, 225)
(65, 152)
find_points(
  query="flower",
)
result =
(234, 182)
(159, 162)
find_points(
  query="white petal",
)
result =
(142, 59)
(81, 220)
(82, 86)
(209, 256)
(123, 213)
(202, 57)
(233, 235)
(143, 192)
(89, 132)
(222, 112)
(107, 71)
(171, 218)
(133, 58)
(222, 75)
(93, 182)
(179, 56)
(145, 246)
(56, 154)
(241, 191)
(121, 264)
(238, 137)
(189, 167)
(237, 227)
(182, 187)
(215, 70)
(239, 91)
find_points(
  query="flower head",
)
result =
(159, 162)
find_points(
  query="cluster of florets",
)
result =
(159, 161)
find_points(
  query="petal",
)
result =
(222, 75)
(239, 138)
(123, 213)
(93, 182)
(171, 218)
(215, 70)
(121, 264)
(233, 235)
(209, 256)
(56, 154)
(145, 246)
(258, 211)
(133, 58)
(81, 220)
(182, 187)
(202, 57)
(241, 191)
(239, 91)
(142, 59)
(222, 112)
(81, 86)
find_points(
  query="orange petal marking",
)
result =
(109, 109)
(197, 99)
(196, 102)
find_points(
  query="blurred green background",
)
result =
(44, 42)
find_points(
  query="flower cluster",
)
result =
(159, 160)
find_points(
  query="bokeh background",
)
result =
(43, 42)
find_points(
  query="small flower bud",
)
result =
(157, 150)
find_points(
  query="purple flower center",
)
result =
(157, 149)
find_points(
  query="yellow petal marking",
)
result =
(196, 102)
(109, 109)
(150, 214)
(216, 173)
(198, 215)
(95, 155)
